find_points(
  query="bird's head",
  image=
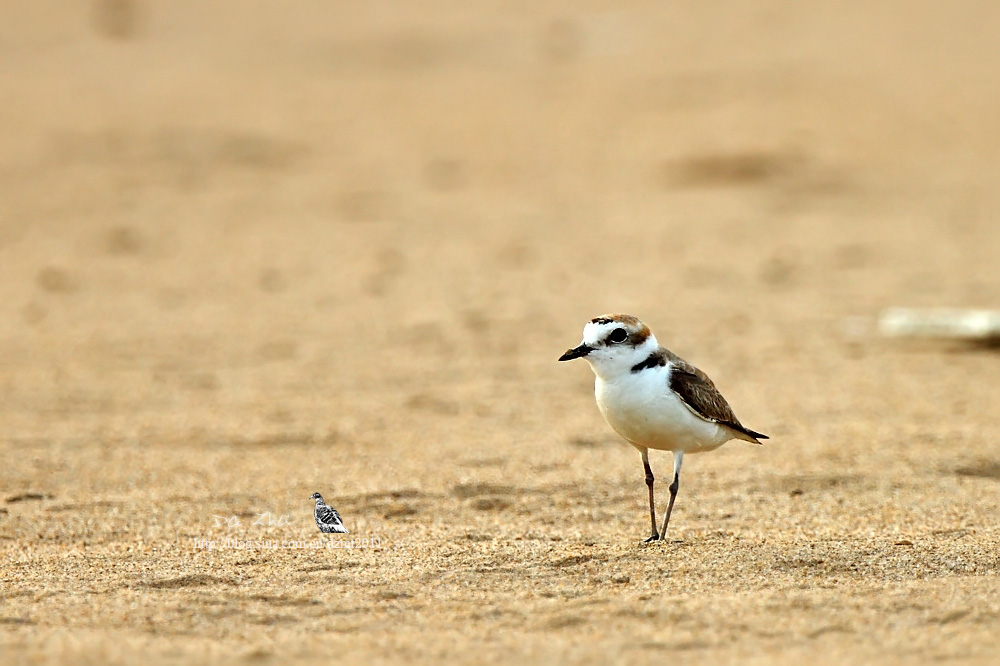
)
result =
(613, 344)
(316, 496)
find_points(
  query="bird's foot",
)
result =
(652, 537)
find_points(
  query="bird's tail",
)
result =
(748, 435)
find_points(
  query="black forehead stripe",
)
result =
(601, 320)
(656, 359)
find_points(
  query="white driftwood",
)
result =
(949, 323)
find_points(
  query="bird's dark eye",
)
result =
(618, 336)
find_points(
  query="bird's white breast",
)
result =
(643, 409)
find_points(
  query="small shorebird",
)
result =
(327, 518)
(655, 399)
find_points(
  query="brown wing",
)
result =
(699, 393)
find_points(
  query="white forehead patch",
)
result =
(594, 333)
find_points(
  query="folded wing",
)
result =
(700, 395)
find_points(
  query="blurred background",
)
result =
(252, 250)
(209, 209)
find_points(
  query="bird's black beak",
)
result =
(576, 352)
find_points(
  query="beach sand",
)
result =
(252, 251)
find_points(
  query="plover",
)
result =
(655, 399)
(327, 518)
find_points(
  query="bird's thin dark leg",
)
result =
(652, 507)
(678, 457)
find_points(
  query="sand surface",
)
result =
(250, 251)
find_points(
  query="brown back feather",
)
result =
(698, 392)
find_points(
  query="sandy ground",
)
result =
(250, 251)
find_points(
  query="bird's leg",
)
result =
(649, 483)
(678, 458)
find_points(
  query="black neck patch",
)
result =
(655, 360)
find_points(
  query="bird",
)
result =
(327, 518)
(655, 399)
